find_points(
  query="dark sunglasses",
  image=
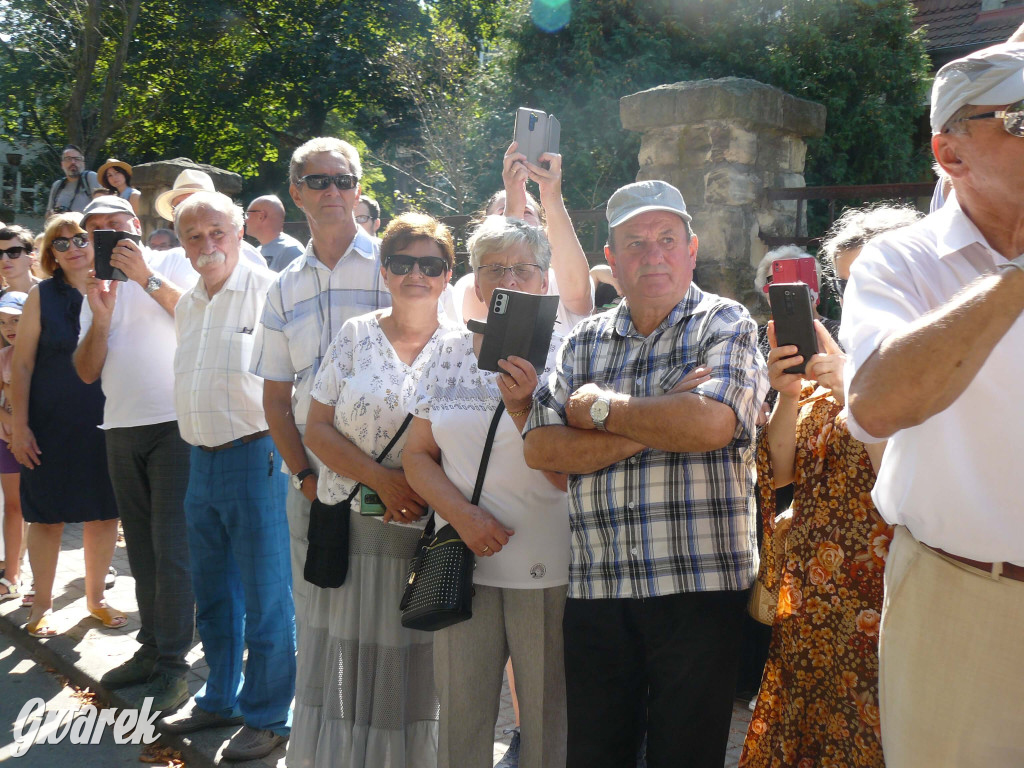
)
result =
(1012, 117)
(62, 244)
(430, 266)
(319, 181)
(839, 284)
(15, 252)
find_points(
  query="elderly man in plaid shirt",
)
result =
(237, 530)
(662, 517)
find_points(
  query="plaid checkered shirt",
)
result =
(660, 523)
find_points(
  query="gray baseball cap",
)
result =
(13, 302)
(991, 76)
(641, 197)
(107, 204)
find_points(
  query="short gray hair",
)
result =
(210, 201)
(319, 145)
(498, 233)
(163, 231)
(858, 225)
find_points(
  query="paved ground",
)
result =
(85, 650)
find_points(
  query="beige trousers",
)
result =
(951, 673)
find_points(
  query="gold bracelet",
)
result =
(517, 414)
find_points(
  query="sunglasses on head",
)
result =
(14, 252)
(1012, 117)
(319, 181)
(62, 244)
(430, 266)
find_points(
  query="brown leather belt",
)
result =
(1008, 570)
(239, 441)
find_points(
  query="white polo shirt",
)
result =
(956, 480)
(216, 399)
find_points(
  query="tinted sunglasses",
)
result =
(362, 218)
(1012, 117)
(430, 266)
(62, 244)
(14, 252)
(320, 181)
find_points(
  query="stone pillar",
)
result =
(722, 142)
(153, 179)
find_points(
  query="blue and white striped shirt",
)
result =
(660, 523)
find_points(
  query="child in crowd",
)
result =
(11, 304)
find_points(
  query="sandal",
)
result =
(28, 597)
(41, 627)
(108, 580)
(12, 592)
(111, 617)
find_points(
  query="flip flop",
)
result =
(111, 617)
(41, 627)
(12, 592)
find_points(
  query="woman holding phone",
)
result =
(819, 694)
(54, 429)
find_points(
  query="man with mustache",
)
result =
(75, 190)
(237, 532)
(661, 510)
(127, 339)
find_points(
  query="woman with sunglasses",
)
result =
(353, 648)
(55, 432)
(818, 700)
(17, 255)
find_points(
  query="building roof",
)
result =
(954, 28)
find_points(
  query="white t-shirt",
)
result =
(138, 374)
(459, 401)
(564, 319)
(371, 391)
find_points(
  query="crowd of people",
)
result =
(620, 501)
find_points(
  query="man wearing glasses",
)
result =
(931, 317)
(368, 214)
(337, 277)
(264, 220)
(74, 191)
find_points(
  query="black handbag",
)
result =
(327, 550)
(439, 589)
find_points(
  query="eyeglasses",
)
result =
(72, 157)
(1012, 117)
(249, 214)
(61, 244)
(496, 272)
(362, 218)
(14, 252)
(320, 181)
(402, 264)
(839, 284)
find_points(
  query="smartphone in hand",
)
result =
(794, 320)
(103, 242)
(536, 133)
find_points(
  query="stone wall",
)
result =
(722, 143)
(153, 179)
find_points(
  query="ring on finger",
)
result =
(486, 549)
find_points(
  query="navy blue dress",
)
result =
(71, 483)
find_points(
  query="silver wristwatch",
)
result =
(599, 411)
(153, 284)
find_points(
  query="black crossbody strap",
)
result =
(429, 530)
(384, 453)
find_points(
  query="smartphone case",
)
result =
(517, 324)
(536, 133)
(794, 320)
(103, 241)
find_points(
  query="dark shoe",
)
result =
(193, 718)
(251, 744)
(168, 692)
(511, 757)
(137, 669)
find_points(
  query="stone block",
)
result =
(731, 143)
(732, 185)
(726, 235)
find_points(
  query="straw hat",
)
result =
(112, 163)
(188, 181)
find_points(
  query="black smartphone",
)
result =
(517, 324)
(537, 133)
(792, 311)
(103, 242)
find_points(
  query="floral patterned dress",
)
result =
(818, 702)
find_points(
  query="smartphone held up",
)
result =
(793, 313)
(536, 133)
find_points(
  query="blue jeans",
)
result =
(238, 537)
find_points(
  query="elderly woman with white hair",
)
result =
(519, 530)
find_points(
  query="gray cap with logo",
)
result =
(641, 197)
